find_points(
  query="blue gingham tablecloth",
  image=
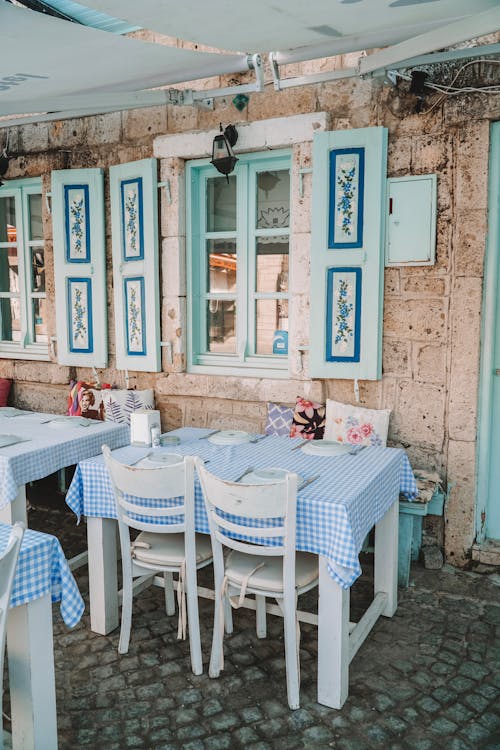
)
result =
(43, 569)
(334, 513)
(47, 449)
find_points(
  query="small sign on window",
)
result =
(280, 342)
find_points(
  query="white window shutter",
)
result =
(347, 253)
(134, 223)
(80, 267)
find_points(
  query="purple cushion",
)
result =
(279, 419)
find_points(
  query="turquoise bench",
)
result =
(411, 517)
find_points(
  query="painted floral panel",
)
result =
(346, 198)
(80, 315)
(135, 316)
(343, 314)
(77, 223)
(132, 219)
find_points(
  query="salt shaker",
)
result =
(155, 437)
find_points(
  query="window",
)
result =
(238, 265)
(23, 310)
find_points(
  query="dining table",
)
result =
(35, 444)
(342, 495)
(42, 577)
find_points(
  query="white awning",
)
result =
(46, 61)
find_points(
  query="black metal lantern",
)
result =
(223, 157)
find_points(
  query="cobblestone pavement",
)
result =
(427, 678)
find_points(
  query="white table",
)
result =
(334, 514)
(47, 448)
(42, 577)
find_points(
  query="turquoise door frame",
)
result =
(488, 440)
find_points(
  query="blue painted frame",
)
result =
(140, 218)
(126, 283)
(358, 241)
(67, 228)
(71, 337)
(330, 282)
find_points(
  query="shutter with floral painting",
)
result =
(134, 223)
(347, 253)
(80, 267)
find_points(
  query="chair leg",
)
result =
(193, 622)
(126, 619)
(221, 605)
(169, 593)
(261, 625)
(228, 616)
(291, 655)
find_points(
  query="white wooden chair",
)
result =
(8, 562)
(276, 571)
(167, 543)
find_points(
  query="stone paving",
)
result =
(427, 678)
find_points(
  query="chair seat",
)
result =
(169, 549)
(270, 576)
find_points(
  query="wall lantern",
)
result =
(223, 157)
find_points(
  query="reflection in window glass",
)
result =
(221, 266)
(35, 215)
(10, 321)
(7, 219)
(273, 199)
(271, 315)
(37, 270)
(221, 324)
(9, 270)
(221, 204)
(40, 321)
(272, 264)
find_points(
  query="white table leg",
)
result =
(333, 640)
(30, 653)
(16, 510)
(386, 558)
(103, 577)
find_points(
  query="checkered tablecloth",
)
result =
(334, 513)
(42, 569)
(47, 449)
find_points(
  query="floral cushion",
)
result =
(308, 420)
(356, 425)
(119, 404)
(5, 384)
(279, 419)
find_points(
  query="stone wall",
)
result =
(432, 314)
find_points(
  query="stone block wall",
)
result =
(431, 314)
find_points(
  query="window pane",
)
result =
(273, 199)
(40, 319)
(10, 320)
(35, 210)
(221, 322)
(272, 264)
(37, 270)
(221, 204)
(221, 265)
(271, 315)
(9, 272)
(7, 219)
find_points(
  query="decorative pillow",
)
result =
(119, 404)
(5, 384)
(355, 425)
(86, 401)
(308, 420)
(279, 419)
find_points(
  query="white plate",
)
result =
(11, 411)
(164, 459)
(6, 440)
(325, 448)
(63, 422)
(229, 437)
(263, 476)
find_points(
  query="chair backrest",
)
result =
(8, 562)
(239, 512)
(153, 499)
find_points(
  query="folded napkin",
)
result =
(6, 440)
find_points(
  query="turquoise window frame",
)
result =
(245, 361)
(26, 348)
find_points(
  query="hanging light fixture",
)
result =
(223, 157)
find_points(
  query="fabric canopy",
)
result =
(276, 25)
(43, 57)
